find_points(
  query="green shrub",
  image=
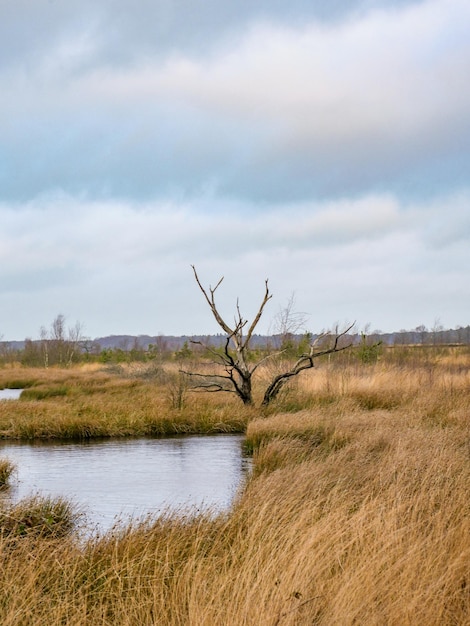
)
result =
(368, 352)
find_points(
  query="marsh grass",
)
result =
(86, 403)
(41, 393)
(7, 468)
(357, 513)
(17, 383)
(38, 516)
(376, 531)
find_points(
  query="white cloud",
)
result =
(372, 260)
(398, 71)
(66, 230)
(379, 101)
(330, 156)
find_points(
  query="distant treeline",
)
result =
(66, 349)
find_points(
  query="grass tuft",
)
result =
(38, 516)
(43, 393)
(7, 468)
(18, 383)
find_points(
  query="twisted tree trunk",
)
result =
(238, 372)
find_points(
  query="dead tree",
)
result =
(234, 358)
(305, 362)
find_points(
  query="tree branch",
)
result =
(304, 362)
(254, 323)
(211, 302)
(214, 385)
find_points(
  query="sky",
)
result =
(324, 146)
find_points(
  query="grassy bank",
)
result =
(87, 402)
(357, 514)
(140, 400)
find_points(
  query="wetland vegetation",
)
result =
(356, 512)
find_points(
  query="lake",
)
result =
(124, 478)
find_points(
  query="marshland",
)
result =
(356, 510)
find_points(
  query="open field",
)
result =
(357, 513)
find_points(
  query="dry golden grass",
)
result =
(86, 402)
(358, 513)
(6, 470)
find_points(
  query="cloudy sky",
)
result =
(322, 145)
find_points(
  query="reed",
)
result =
(374, 532)
(38, 517)
(357, 513)
(83, 403)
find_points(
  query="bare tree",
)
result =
(74, 341)
(237, 366)
(57, 338)
(59, 346)
(326, 343)
(288, 321)
(289, 327)
(44, 345)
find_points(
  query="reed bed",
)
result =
(357, 513)
(84, 403)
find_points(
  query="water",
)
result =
(10, 394)
(115, 479)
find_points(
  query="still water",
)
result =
(120, 479)
(10, 394)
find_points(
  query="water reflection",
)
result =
(124, 478)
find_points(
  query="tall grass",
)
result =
(7, 468)
(357, 513)
(375, 532)
(38, 517)
(84, 403)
